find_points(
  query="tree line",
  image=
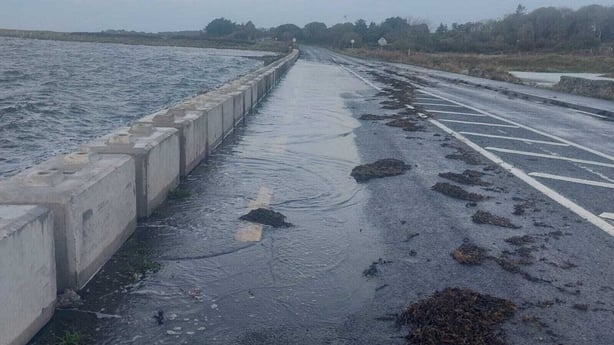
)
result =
(547, 28)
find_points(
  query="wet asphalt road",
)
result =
(224, 281)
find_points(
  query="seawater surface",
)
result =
(55, 96)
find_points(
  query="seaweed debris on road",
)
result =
(381, 168)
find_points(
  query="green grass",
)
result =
(71, 338)
(179, 194)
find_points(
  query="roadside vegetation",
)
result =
(548, 39)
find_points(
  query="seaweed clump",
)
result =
(457, 192)
(457, 316)
(483, 217)
(381, 168)
(266, 217)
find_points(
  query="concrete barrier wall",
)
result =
(192, 129)
(27, 272)
(156, 153)
(93, 200)
(86, 204)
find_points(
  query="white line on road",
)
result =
(513, 138)
(439, 105)
(543, 155)
(591, 114)
(573, 179)
(480, 123)
(607, 215)
(598, 153)
(551, 193)
(453, 113)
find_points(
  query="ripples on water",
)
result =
(307, 276)
(57, 95)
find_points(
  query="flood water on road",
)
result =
(295, 156)
(57, 95)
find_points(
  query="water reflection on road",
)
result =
(298, 150)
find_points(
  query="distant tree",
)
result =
(221, 27)
(315, 32)
(287, 32)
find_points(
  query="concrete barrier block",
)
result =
(156, 153)
(228, 115)
(191, 125)
(27, 272)
(93, 200)
(254, 87)
(246, 91)
(238, 106)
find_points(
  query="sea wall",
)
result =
(61, 220)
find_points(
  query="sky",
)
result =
(175, 15)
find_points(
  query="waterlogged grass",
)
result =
(179, 194)
(71, 338)
(530, 62)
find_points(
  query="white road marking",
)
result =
(573, 179)
(598, 153)
(607, 215)
(480, 123)
(596, 173)
(543, 155)
(439, 105)
(454, 113)
(361, 78)
(501, 131)
(552, 194)
(591, 114)
(513, 138)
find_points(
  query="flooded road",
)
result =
(214, 284)
(359, 255)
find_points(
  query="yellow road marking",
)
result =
(253, 232)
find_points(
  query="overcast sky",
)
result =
(173, 15)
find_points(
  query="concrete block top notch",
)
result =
(140, 137)
(15, 217)
(173, 117)
(61, 176)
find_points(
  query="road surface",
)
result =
(359, 253)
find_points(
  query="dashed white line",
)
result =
(551, 193)
(543, 155)
(480, 123)
(607, 215)
(514, 138)
(573, 179)
(454, 113)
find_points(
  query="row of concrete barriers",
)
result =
(61, 220)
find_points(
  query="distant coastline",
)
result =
(179, 39)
